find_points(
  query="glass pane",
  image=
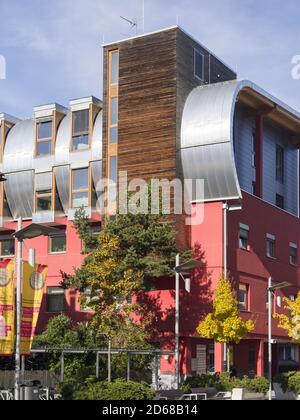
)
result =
(115, 67)
(113, 135)
(114, 105)
(81, 121)
(199, 65)
(56, 302)
(44, 130)
(44, 148)
(80, 179)
(7, 248)
(113, 169)
(44, 203)
(80, 199)
(58, 244)
(81, 142)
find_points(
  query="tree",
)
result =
(291, 322)
(224, 324)
(129, 252)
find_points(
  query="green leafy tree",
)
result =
(224, 324)
(129, 252)
(291, 322)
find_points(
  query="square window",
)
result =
(44, 148)
(56, 300)
(58, 244)
(44, 200)
(44, 130)
(7, 247)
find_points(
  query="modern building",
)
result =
(171, 109)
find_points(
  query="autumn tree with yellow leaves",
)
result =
(224, 324)
(291, 322)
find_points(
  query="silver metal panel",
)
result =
(97, 138)
(97, 175)
(243, 133)
(43, 181)
(62, 178)
(208, 119)
(62, 149)
(19, 147)
(19, 189)
(43, 217)
(207, 140)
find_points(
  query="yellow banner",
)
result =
(34, 280)
(7, 313)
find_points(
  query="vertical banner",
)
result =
(34, 279)
(7, 313)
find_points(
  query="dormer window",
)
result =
(44, 137)
(43, 192)
(81, 130)
(80, 188)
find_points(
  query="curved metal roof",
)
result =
(207, 134)
(20, 165)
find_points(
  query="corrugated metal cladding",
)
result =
(25, 173)
(216, 145)
(273, 136)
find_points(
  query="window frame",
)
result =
(280, 168)
(48, 295)
(81, 190)
(50, 242)
(271, 239)
(6, 240)
(244, 306)
(244, 228)
(89, 133)
(293, 247)
(196, 51)
(51, 139)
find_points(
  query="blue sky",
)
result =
(53, 48)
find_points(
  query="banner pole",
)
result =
(18, 315)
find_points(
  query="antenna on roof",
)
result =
(133, 23)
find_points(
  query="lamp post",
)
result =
(271, 289)
(29, 232)
(180, 270)
(226, 208)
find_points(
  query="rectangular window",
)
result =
(280, 164)
(81, 128)
(58, 244)
(114, 105)
(198, 65)
(80, 188)
(43, 200)
(293, 254)
(254, 149)
(279, 201)
(114, 73)
(44, 138)
(7, 247)
(55, 300)
(271, 243)
(243, 297)
(244, 237)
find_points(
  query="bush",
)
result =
(223, 382)
(120, 390)
(289, 381)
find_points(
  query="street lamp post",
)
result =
(29, 232)
(180, 270)
(271, 289)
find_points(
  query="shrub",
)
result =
(120, 390)
(289, 381)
